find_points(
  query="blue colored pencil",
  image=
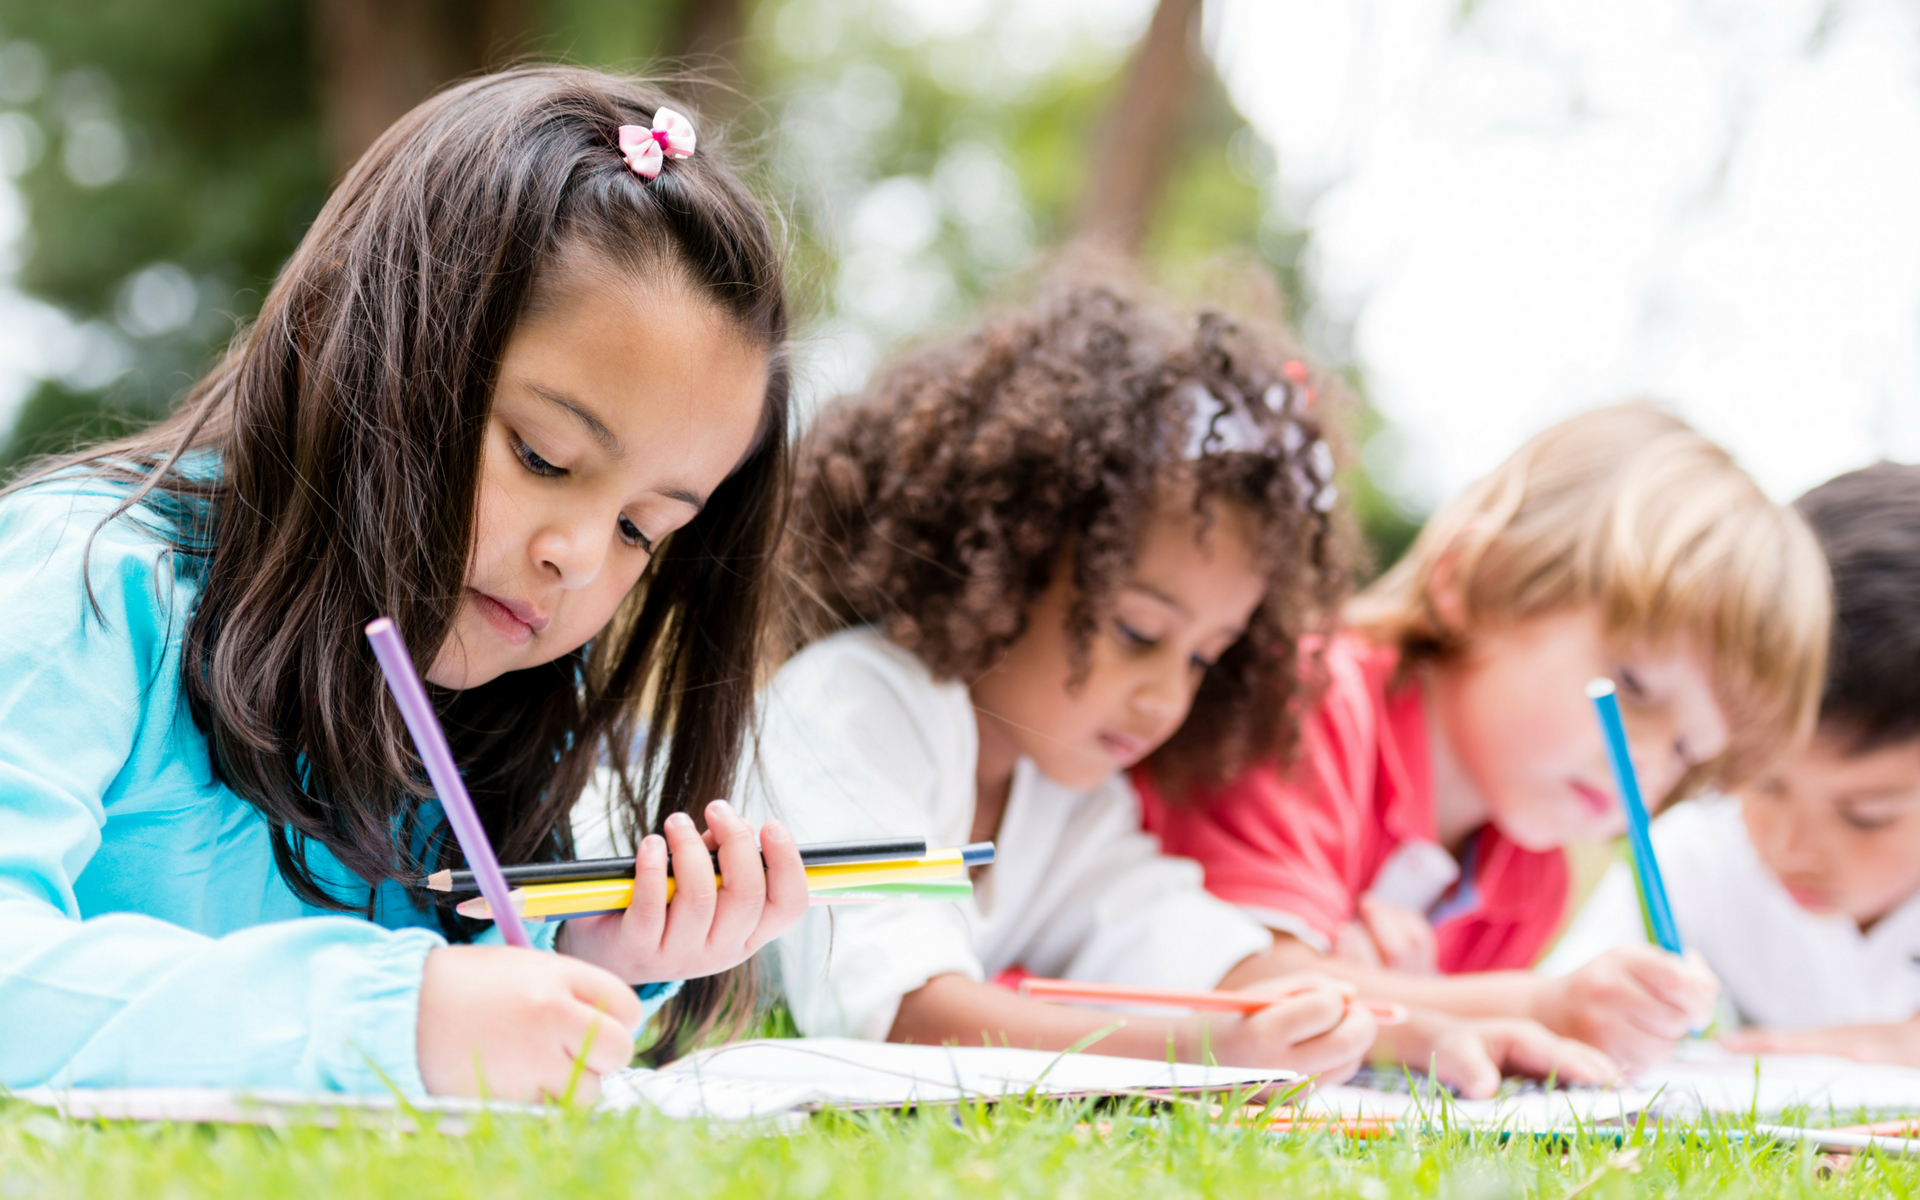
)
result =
(1646, 869)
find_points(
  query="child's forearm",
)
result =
(953, 1008)
(1481, 994)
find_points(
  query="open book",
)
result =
(740, 1081)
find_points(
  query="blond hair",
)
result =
(1628, 509)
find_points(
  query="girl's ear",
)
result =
(1446, 594)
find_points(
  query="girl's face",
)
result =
(1840, 831)
(1188, 598)
(1514, 715)
(619, 409)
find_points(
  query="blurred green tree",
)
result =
(171, 153)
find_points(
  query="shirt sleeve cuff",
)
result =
(369, 1042)
(540, 933)
(1281, 921)
(654, 997)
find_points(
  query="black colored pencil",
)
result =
(818, 854)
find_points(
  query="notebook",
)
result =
(757, 1080)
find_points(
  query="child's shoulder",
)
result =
(63, 536)
(860, 654)
(1704, 831)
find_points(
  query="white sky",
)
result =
(1549, 205)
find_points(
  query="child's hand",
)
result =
(1474, 1054)
(1634, 1003)
(1387, 935)
(1315, 1030)
(1898, 1042)
(707, 928)
(509, 1024)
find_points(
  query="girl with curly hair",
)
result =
(1087, 537)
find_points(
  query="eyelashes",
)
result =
(532, 461)
(630, 533)
(633, 536)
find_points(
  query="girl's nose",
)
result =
(1163, 695)
(569, 553)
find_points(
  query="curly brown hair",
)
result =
(937, 504)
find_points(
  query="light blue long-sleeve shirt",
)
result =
(146, 936)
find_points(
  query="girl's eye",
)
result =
(1133, 637)
(533, 462)
(1202, 663)
(632, 536)
(1865, 823)
(1631, 685)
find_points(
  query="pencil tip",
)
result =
(1598, 688)
(440, 881)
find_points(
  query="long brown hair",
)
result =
(347, 424)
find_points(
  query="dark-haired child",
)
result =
(529, 352)
(1090, 534)
(1803, 891)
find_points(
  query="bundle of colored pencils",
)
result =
(837, 873)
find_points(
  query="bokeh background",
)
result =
(1488, 213)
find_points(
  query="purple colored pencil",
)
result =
(417, 711)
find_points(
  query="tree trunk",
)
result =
(379, 58)
(1141, 136)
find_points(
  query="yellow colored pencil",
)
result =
(611, 895)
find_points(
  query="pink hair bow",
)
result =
(646, 149)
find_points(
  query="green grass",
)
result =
(1010, 1150)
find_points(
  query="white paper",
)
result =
(1704, 1078)
(756, 1079)
(743, 1081)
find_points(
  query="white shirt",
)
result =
(858, 740)
(1781, 965)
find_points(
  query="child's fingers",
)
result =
(601, 1043)
(1337, 1053)
(1680, 982)
(1526, 1048)
(786, 885)
(1463, 1061)
(744, 892)
(1355, 943)
(1298, 982)
(695, 892)
(606, 993)
(1297, 1018)
(645, 921)
(1396, 931)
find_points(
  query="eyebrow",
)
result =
(594, 426)
(600, 433)
(1161, 596)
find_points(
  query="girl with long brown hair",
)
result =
(521, 388)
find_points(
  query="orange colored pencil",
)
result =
(1071, 991)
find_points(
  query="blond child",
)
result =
(1020, 561)
(1802, 892)
(1413, 847)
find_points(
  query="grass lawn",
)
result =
(1010, 1150)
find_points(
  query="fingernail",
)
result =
(653, 844)
(721, 807)
(680, 821)
(774, 831)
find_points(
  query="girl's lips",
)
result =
(1599, 803)
(1125, 747)
(1813, 899)
(513, 620)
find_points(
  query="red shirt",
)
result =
(1306, 841)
